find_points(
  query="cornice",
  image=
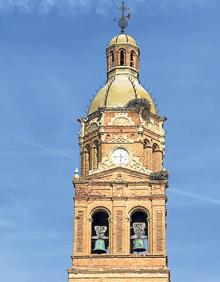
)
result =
(88, 197)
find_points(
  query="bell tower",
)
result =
(120, 193)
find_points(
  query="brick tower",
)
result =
(120, 194)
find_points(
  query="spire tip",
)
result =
(123, 21)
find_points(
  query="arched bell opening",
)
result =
(100, 233)
(122, 57)
(139, 232)
(112, 59)
(132, 59)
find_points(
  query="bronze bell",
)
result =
(100, 247)
(138, 245)
(100, 237)
(139, 236)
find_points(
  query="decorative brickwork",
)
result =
(159, 231)
(79, 236)
(119, 232)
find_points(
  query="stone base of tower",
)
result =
(123, 269)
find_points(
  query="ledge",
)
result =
(98, 256)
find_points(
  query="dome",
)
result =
(123, 39)
(118, 92)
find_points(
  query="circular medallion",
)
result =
(120, 156)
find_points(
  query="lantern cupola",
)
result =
(123, 56)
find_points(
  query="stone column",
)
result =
(86, 158)
(95, 156)
(82, 157)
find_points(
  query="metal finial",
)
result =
(123, 21)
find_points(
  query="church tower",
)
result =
(120, 193)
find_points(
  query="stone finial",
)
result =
(76, 175)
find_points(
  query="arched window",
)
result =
(122, 57)
(112, 58)
(132, 58)
(139, 232)
(100, 233)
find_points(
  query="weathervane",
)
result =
(123, 21)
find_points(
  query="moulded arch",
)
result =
(133, 52)
(122, 49)
(88, 147)
(155, 147)
(157, 157)
(95, 142)
(146, 142)
(139, 208)
(100, 209)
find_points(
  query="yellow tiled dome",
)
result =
(119, 92)
(123, 39)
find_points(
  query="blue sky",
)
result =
(52, 60)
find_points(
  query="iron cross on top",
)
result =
(123, 21)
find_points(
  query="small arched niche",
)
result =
(139, 232)
(100, 232)
(155, 147)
